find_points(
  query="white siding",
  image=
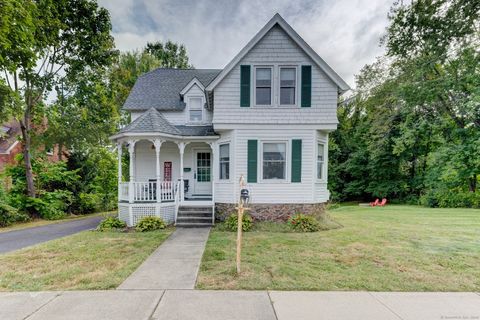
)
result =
(225, 191)
(278, 192)
(276, 48)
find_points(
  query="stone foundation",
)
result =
(270, 211)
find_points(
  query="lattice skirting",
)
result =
(133, 213)
(123, 213)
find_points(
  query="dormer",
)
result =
(193, 95)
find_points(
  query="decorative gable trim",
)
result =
(277, 19)
(193, 82)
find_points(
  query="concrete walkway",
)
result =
(174, 265)
(233, 305)
(18, 239)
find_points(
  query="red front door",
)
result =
(167, 171)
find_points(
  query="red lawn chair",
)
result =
(376, 203)
(383, 203)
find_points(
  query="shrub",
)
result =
(88, 202)
(48, 205)
(232, 221)
(303, 223)
(451, 199)
(150, 224)
(111, 223)
(9, 215)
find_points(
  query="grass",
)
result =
(84, 261)
(395, 248)
(42, 222)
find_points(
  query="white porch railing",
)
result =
(144, 191)
(147, 191)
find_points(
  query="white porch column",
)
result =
(158, 143)
(119, 152)
(131, 151)
(213, 146)
(181, 149)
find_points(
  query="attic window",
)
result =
(195, 109)
(263, 86)
(288, 79)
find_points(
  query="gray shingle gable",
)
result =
(161, 88)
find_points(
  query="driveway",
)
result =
(18, 239)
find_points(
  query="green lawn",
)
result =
(395, 248)
(87, 260)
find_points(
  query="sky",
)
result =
(345, 33)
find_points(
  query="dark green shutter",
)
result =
(244, 86)
(252, 156)
(306, 86)
(296, 160)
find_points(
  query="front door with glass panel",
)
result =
(203, 173)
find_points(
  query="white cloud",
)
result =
(344, 33)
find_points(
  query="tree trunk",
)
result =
(60, 151)
(473, 183)
(25, 126)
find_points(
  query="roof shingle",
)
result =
(161, 88)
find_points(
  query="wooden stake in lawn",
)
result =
(244, 197)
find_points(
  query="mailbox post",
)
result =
(243, 201)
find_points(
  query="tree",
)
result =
(84, 114)
(42, 42)
(412, 129)
(435, 47)
(170, 54)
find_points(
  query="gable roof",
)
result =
(189, 85)
(161, 88)
(278, 20)
(152, 121)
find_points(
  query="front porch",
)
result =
(164, 175)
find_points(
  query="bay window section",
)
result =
(224, 161)
(288, 82)
(274, 161)
(320, 161)
(263, 86)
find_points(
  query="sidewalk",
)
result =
(244, 305)
(174, 265)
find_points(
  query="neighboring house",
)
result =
(10, 144)
(195, 132)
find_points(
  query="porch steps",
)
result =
(194, 216)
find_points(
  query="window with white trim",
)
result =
(195, 109)
(263, 86)
(274, 164)
(320, 161)
(224, 161)
(288, 83)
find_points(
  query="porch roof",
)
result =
(153, 121)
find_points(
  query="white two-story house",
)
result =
(266, 116)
